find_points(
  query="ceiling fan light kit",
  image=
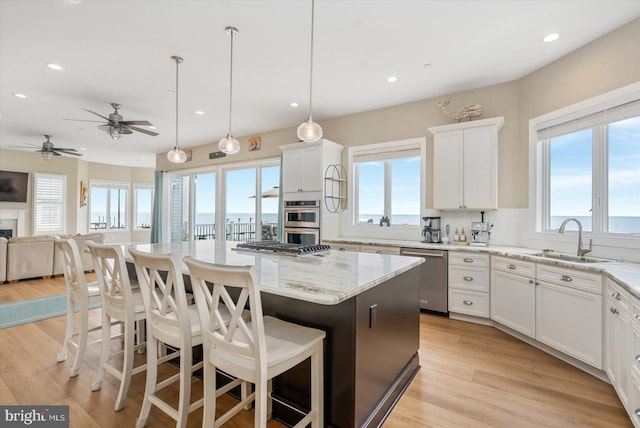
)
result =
(229, 144)
(176, 155)
(310, 131)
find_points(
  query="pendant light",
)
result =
(176, 155)
(229, 144)
(310, 131)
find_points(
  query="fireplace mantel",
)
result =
(14, 220)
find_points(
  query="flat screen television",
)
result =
(13, 186)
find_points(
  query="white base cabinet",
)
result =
(513, 299)
(570, 320)
(469, 284)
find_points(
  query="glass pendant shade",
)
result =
(176, 155)
(47, 156)
(309, 131)
(229, 145)
(114, 133)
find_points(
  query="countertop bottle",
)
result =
(463, 236)
(456, 237)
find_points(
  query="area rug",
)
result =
(17, 313)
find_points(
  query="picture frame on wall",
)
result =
(84, 193)
(254, 143)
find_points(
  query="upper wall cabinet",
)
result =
(465, 165)
(304, 165)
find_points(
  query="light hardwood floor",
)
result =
(470, 376)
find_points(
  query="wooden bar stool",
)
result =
(172, 322)
(81, 293)
(255, 351)
(122, 303)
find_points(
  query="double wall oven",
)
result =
(302, 222)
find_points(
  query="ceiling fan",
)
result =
(48, 150)
(116, 127)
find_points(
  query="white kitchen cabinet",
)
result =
(379, 249)
(304, 165)
(465, 165)
(469, 283)
(569, 312)
(619, 340)
(343, 247)
(513, 294)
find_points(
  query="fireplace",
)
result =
(6, 233)
(12, 221)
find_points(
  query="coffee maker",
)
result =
(480, 232)
(431, 230)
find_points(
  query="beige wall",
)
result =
(75, 170)
(607, 63)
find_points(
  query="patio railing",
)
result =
(236, 231)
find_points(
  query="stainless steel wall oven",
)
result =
(301, 222)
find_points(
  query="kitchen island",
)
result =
(367, 304)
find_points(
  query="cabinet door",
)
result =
(513, 300)
(379, 249)
(480, 168)
(312, 173)
(292, 168)
(447, 170)
(570, 320)
(612, 343)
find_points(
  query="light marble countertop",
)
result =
(326, 278)
(626, 274)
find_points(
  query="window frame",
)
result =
(134, 211)
(374, 150)
(63, 226)
(539, 233)
(110, 184)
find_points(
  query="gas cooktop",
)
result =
(275, 247)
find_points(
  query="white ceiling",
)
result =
(120, 51)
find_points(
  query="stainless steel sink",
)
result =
(569, 257)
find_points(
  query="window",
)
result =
(143, 205)
(108, 205)
(49, 203)
(588, 167)
(387, 182)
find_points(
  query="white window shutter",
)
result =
(49, 204)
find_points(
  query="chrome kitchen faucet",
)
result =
(581, 251)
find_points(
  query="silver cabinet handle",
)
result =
(467, 260)
(616, 295)
(531, 281)
(379, 252)
(512, 267)
(467, 302)
(613, 310)
(468, 278)
(638, 358)
(566, 278)
(637, 412)
(637, 317)
(342, 249)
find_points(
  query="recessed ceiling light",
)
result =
(294, 104)
(152, 127)
(551, 37)
(427, 65)
(121, 162)
(200, 112)
(171, 91)
(83, 148)
(141, 159)
(54, 66)
(19, 95)
(392, 79)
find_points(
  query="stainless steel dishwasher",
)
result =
(434, 282)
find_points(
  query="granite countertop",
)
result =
(627, 274)
(326, 278)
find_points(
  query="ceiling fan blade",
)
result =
(55, 151)
(25, 145)
(144, 131)
(83, 120)
(136, 122)
(97, 114)
(65, 149)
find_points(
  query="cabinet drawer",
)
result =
(578, 279)
(344, 247)
(469, 278)
(514, 266)
(469, 302)
(468, 259)
(619, 296)
(379, 249)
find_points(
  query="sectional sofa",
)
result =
(24, 257)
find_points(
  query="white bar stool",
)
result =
(172, 322)
(255, 351)
(123, 304)
(81, 293)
